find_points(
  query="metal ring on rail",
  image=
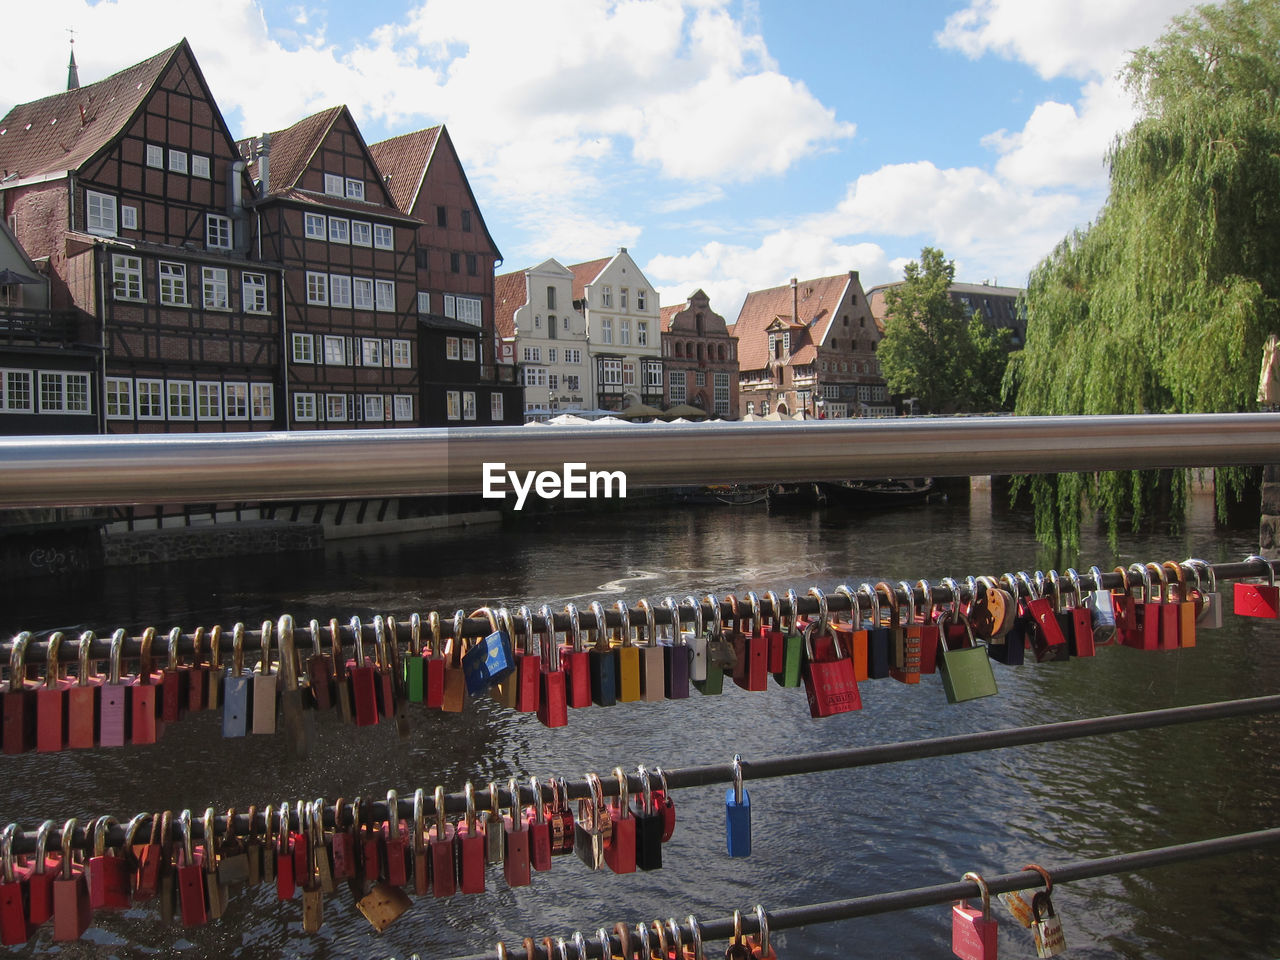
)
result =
(573, 633)
(674, 608)
(793, 604)
(553, 648)
(699, 624)
(873, 606)
(597, 613)
(646, 948)
(1048, 880)
(1271, 574)
(775, 610)
(624, 941)
(606, 945)
(650, 622)
(716, 626)
(580, 944)
(696, 932)
(677, 936)
(753, 602)
(926, 599)
(762, 919)
(817, 594)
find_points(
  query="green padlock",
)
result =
(792, 647)
(966, 673)
(713, 683)
(414, 667)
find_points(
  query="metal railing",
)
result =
(192, 468)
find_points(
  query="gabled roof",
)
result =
(585, 273)
(817, 302)
(509, 295)
(52, 135)
(403, 161)
(666, 313)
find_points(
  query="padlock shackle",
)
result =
(419, 820)
(817, 594)
(885, 588)
(986, 894)
(699, 625)
(441, 825)
(673, 928)
(926, 597)
(624, 793)
(650, 622)
(86, 642)
(753, 604)
(696, 933)
(517, 808)
(716, 627)
(1044, 874)
(642, 934)
(382, 655)
(793, 604)
(775, 610)
(393, 813)
(6, 852)
(646, 789)
(553, 648)
(762, 920)
(532, 645)
(1157, 572)
(624, 612)
(237, 650)
(573, 633)
(738, 788)
(113, 658)
(597, 613)
(674, 609)
(1271, 574)
(469, 791)
(866, 590)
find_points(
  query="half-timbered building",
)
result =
(133, 189)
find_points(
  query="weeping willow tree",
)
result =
(1162, 305)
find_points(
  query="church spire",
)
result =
(73, 75)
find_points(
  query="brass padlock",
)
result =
(383, 905)
(591, 826)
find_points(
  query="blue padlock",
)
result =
(235, 690)
(737, 814)
(490, 660)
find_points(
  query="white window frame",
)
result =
(402, 407)
(304, 407)
(468, 349)
(370, 352)
(235, 401)
(641, 297)
(375, 410)
(676, 386)
(495, 405)
(126, 272)
(208, 400)
(402, 353)
(335, 407)
(452, 405)
(553, 382)
(383, 237)
(606, 330)
(361, 233)
(100, 214)
(355, 189)
(535, 376)
(642, 333)
(339, 230)
(153, 399)
(253, 292)
(362, 293)
(179, 399)
(468, 404)
(262, 404)
(449, 310)
(317, 288)
(128, 217)
(119, 398)
(572, 381)
(453, 349)
(176, 282)
(699, 378)
(334, 185)
(155, 156)
(7, 402)
(82, 393)
(611, 373)
(52, 391)
(384, 295)
(606, 297)
(335, 351)
(314, 226)
(215, 288)
(470, 310)
(177, 161)
(572, 355)
(624, 332)
(424, 302)
(302, 348)
(532, 354)
(200, 166)
(339, 290)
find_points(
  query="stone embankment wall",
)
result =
(204, 543)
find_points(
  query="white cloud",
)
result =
(689, 201)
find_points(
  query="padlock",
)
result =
(309, 880)
(708, 645)
(922, 619)
(559, 817)
(620, 843)
(1048, 642)
(652, 661)
(215, 892)
(1047, 929)
(737, 949)
(649, 825)
(144, 700)
(676, 656)
(44, 872)
(697, 642)
(1184, 596)
(51, 701)
(343, 844)
(774, 631)
(991, 610)
(1166, 607)
(173, 682)
(878, 660)
(383, 905)
(146, 859)
(321, 851)
(737, 814)
(235, 689)
(642, 938)
(626, 657)
(1011, 647)
(285, 860)
(392, 702)
(469, 841)
(167, 883)
(264, 687)
(362, 680)
(1050, 586)
(1080, 639)
(751, 672)
(19, 701)
(253, 848)
(197, 685)
(298, 724)
(974, 933)
(320, 672)
(759, 944)
(528, 675)
(341, 679)
(575, 661)
(852, 636)
(107, 873)
(663, 803)
(441, 844)
(966, 672)
(664, 949)
(1258, 599)
(113, 711)
(14, 894)
(371, 864)
(517, 859)
(538, 828)
(601, 664)
(495, 836)
(1209, 602)
(268, 848)
(72, 914)
(490, 660)
(1144, 630)
(82, 699)
(415, 666)
(1101, 609)
(454, 691)
(591, 826)
(433, 667)
(553, 703)
(421, 856)
(190, 877)
(677, 939)
(908, 670)
(829, 684)
(395, 843)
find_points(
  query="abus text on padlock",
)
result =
(573, 482)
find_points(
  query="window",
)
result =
(455, 262)
(450, 309)
(339, 290)
(335, 406)
(100, 213)
(384, 294)
(551, 355)
(571, 383)
(472, 265)
(16, 391)
(180, 400)
(119, 398)
(640, 299)
(551, 326)
(216, 292)
(339, 230)
(237, 400)
(402, 407)
(533, 354)
(466, 221)
(424, 302)
(126, 272)
(401, 353)
(624, 332)
(864, 392)
(606, 297)
(453, 405)
(468, 404)
(442, 217)
(653, 374)
(208, 401)
(314, 225)
(495, 406)
(611, 373)
(355, 189)
(177, 161)
(129, 218)
(535, 376)
(622, 299)
(700, 379)
(361, 233)
(452, 349)
(173, 286)
(606, 330)
(335, 351)
(469, 310)
(628, 374)
(51, 393)
(317, 288)
(260, 400)
(303, 348)
(199, 166)
(383, 238)
(720, 396)
(371, 351)
(217, 231)
(155, 156)
(676, 386)
(572, 355)
(253, 292)
(373, 408)
(150, 399)
(553, 381)
(468, 349)
(642, 333)
(334, 185)
(304, 406)
(362, 293)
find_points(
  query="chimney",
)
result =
(622, 249)
(795, 301)
(264, 166)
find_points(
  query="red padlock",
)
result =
(387, 695)
(1080, 640)
(912, 643)
(421, 858)
(343, 844)
(82, 700)
(19, 701)
(44, 872)
(576, 662)
(470, 842)
(777, 644)
(620, 842)
(51, 702)
(528, 675)
(1144, 633)
(191, 892)
(553, 704)
(14, 893)
(1167, 609)
(1185, 600)
(108, 873)
(320, 673)
(538, 828)
(517, 855)
(173, 682)
(1258, 599)
(362, 681)
(71, 912)
(433, 668)
(560, 818)
(197, 685)
(923, 620)
(395, 836)
(444, 877)
(286, 879)
(454, 697)
(974, 933)
(663, 803)
(1048, 642)
(829, 684)
(751, 670)
(144, 703)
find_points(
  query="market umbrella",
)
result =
(640, 411)
(686, 410)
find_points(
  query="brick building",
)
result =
(700, 357)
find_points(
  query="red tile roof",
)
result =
(585, 273)
(292, 148)
(818, 300)
(312, 198)
(51, 135)
(666, 313)
(403, 161)
(510, 291)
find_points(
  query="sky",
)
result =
(728, 144)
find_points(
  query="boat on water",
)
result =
(889, 492)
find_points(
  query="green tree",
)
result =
(932, 349)
(1163, 303)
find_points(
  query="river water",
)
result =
(816, 837)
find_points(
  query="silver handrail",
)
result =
(193, 468)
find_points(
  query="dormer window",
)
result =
(355, 189)
(334, 186)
